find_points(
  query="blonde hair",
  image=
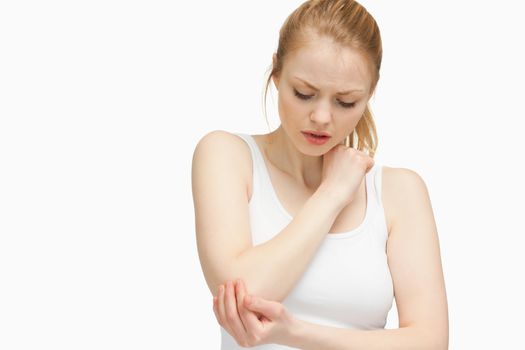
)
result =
(349, 24)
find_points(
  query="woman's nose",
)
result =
(321, 114)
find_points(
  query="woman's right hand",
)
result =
(343, 171)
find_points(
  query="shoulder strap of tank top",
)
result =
(254, 153)
(251, 143)
(374, 178)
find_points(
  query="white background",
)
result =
(103, 102)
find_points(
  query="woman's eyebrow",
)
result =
(339, 93)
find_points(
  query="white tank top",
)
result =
(347, 283)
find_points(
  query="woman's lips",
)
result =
(316, 140)
(318, 133)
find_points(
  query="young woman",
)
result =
(303, 238)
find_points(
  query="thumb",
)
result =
(265, 307)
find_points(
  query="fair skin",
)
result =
(412, 246)
(330, 70)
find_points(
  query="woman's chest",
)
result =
(292, 198)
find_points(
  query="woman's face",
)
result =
(313, 93)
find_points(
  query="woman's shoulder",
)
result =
(223, 142)
(397, 185)
(401, 179)
(221, 136)
(227, 149)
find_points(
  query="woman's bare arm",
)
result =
(226, 252)
(273, 268)
(310, 336)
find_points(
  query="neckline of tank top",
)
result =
(369, 211)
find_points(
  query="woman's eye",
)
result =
(307, 97)
(301, 96)
(347, 105)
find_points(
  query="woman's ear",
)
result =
(276, 82)
(274, 77)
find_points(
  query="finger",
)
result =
(369, 161)
(268, 308)
(232, 314)
(244, 291)
(222, 314)
(249, 318)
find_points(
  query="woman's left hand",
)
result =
(249, 319)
